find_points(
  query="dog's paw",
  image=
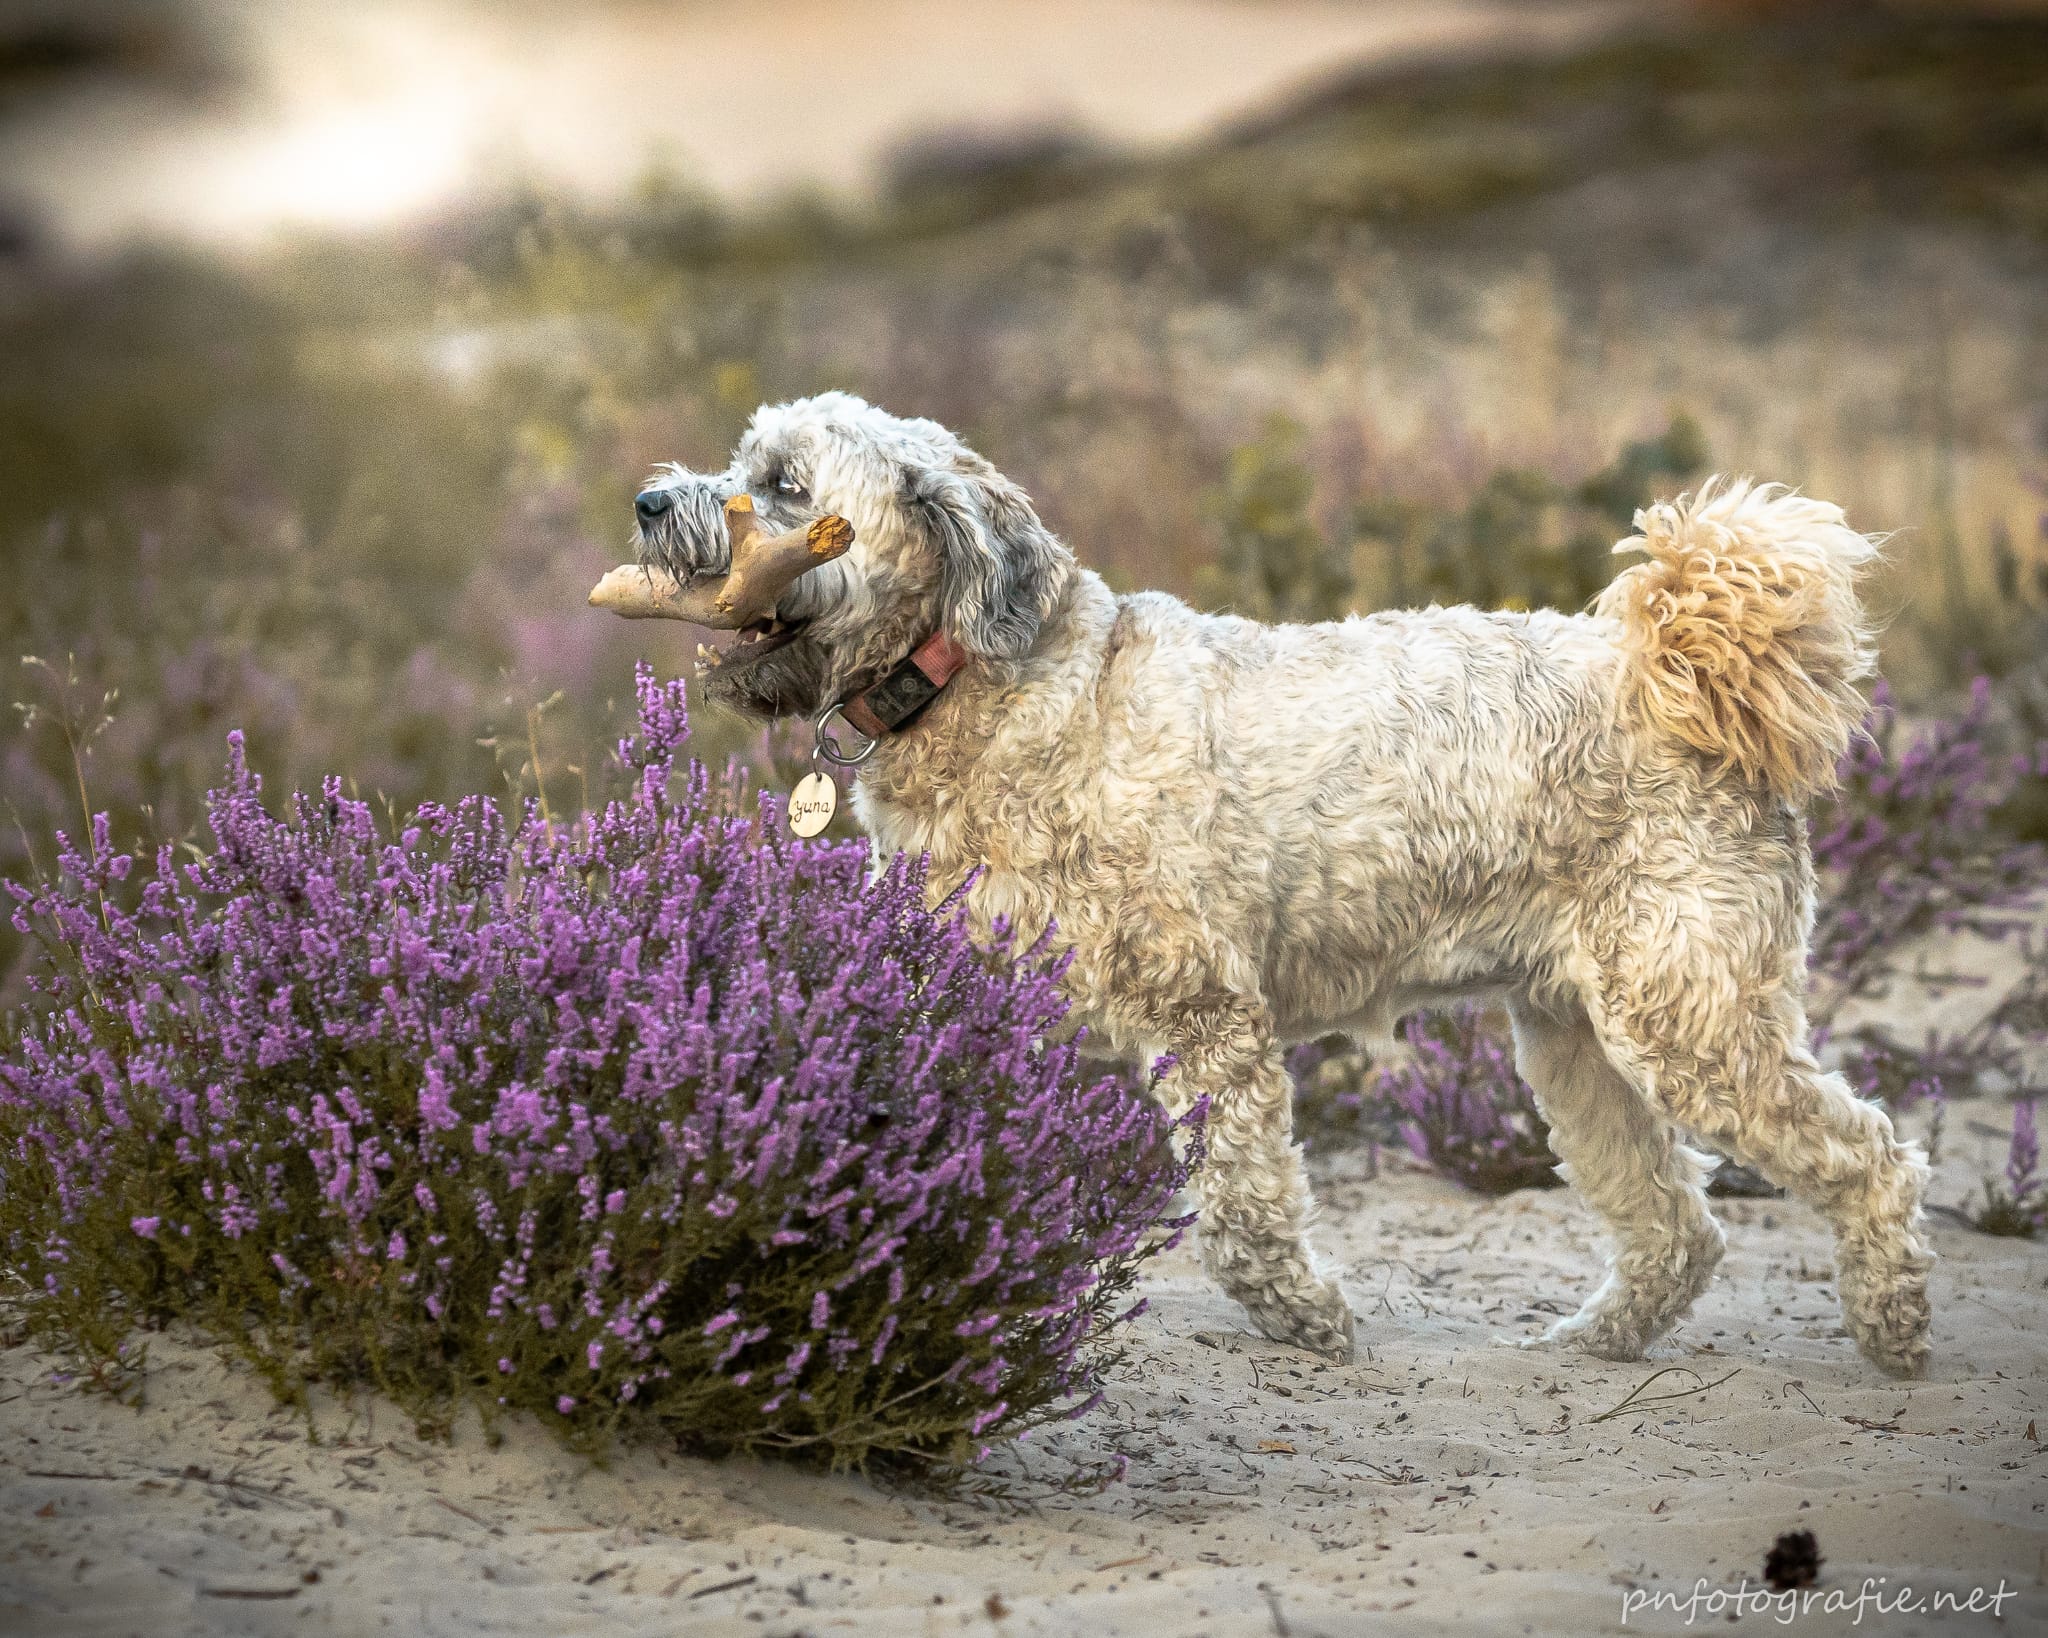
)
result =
(1596, 1331)
(1322, 1323)
(1889, 1316)
(1600, 1343)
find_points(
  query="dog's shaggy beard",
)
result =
(857, 621)
(813, 669)
(794, 681)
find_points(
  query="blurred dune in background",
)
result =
(334, 339)
(222, 120)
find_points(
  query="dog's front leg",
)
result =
(1254, 1192)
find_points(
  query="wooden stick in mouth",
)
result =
(763, 568)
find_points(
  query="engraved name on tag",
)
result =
(812, 804)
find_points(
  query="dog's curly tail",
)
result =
(1742, 635)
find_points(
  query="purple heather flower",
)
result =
(1462, 1108)
(2024, 1156)
(1907, 844)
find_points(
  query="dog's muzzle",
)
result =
(680, 528)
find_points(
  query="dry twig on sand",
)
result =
(1637, 1400)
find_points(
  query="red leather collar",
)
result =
(907, 689)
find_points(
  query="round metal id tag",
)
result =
(812, 804)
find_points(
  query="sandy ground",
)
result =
(1444, 1481)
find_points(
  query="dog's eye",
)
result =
(786, 485)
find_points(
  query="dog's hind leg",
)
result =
(1732, 1064)
(1255, 1197)
(1626, 1161)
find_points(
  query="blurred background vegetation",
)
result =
(1429, 330)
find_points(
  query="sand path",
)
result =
(1442, 1481)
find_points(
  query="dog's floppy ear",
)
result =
(1003, 568)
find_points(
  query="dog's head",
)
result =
(942, 542)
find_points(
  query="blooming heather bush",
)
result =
(1900, 1076)
(1455, 1103)
(1907, 845)
(1336, 1098)
(2020, 1206)
(659, 1118)
(1462, 1108)
(1912, 844)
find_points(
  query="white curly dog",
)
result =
(1250, 835)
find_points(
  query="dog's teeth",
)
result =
(707, 657)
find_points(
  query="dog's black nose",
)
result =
(650, 504)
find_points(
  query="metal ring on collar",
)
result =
(828, 747)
